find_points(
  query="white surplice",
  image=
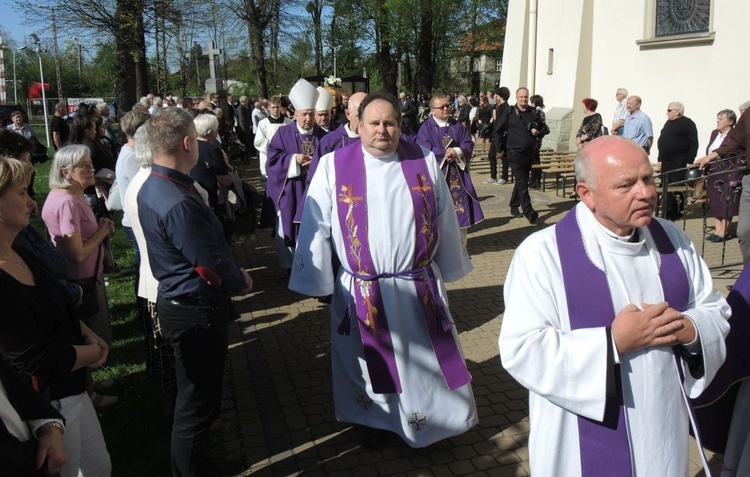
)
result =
(426, 411)
(565, 371)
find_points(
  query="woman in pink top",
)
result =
(74, 231)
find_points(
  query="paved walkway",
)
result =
(278, 412)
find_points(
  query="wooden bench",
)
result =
(557, 165)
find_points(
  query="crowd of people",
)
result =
(369, 197)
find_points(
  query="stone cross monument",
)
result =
(213, 84)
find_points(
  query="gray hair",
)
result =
(623, 91)
(158, 101)
(65, 158)
(101, 105)
(583, 169)
(729, 114)
(744, 106)
(678, 106)
(143, 155)
(206, 124)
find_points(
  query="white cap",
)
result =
(303, 95)
(325, 100)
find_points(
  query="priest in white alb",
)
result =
(611, 323)
(384, 208)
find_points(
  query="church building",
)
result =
(691, 51)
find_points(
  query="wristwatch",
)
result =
(41, 429)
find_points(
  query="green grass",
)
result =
(136, 430)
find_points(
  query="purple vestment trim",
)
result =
(604, 447)
(351, 187)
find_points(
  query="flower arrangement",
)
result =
(332, 81)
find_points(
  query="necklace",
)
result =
(17, 260)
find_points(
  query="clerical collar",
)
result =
(632, 237)
(276, 120)
(304, 131)
(440, 123)
(349, 131)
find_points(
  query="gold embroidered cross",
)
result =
(422, 187)
(347, 197)
(446, 141)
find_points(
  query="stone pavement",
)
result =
(278, 411)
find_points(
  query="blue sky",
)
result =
(11, 22)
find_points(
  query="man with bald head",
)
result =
(599, 310)
(383, 207)
(637, 124)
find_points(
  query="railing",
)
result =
(692, 189)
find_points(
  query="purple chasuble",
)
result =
(366, 303)
(463, 193)
(604, 446)
(715, 406)
(285, 192)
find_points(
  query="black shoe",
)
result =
(515, 212)
(715, 238)
(532, 217)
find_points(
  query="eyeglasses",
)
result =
(445, 106)
(670, 110)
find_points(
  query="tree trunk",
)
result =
(385, 58)
(256, 32)
(424, 76)
(131, 54)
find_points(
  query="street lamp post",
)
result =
(57, 54)
(38, 44)
(78, 44)
(15, 82)
(335, 49)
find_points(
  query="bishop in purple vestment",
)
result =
(289, 155)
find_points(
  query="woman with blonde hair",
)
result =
(41, 338)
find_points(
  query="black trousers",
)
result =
(675, 201)
(506, 167)
(197, 333)
(493, 161)
(520, 164)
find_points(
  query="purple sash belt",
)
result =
(366, 301)
(604, 446)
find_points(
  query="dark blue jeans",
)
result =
(198, 336)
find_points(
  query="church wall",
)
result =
(705, 78)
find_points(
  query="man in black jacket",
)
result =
(499, 130)
(521, 145)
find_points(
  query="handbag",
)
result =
(89, 304)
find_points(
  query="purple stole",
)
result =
(366, 301)
(604, 446)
